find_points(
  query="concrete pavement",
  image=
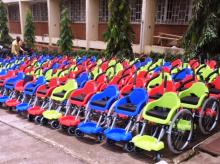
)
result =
(25, 142)
(18, 147)
(22, 141)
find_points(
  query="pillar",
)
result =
(24, 7)
(147, 23)
(53, 19)
(92, 20)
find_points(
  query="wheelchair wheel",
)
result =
(129, 147)
(71, 131)
(180, 131)
(43, 121)
(30, 117)
(100, 138)
(78, 133)
(37, 119)
(54, 124)
(208, 116)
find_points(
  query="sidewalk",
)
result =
(17, 147)
(25, 142)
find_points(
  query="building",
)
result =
(153, 21)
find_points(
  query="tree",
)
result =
(29, 30)
(203, 33)
(119, 35)
(4, 32)
(65, 42)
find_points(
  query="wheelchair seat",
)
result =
(192, 99)
(128, 107)
(159, 112)
(101, 103)
(79, 97)
(60, 94)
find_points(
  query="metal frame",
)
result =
(177, 12)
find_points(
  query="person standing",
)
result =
(16, 46)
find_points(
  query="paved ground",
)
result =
(18, 147)
(24, 142)
(203, 158)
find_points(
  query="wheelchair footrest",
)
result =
(12, 102)
(52, 115)
(22, 107)
(148, 143)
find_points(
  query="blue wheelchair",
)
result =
(125, 116)
(98, 112)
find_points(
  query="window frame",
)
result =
(104, 13)
(81, 11)
(15, 17)
(40, 8)
(165, 11)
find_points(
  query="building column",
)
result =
(147, 23)
(92, 20)
(53, 19)
(24, 7)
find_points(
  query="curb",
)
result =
(184, 156)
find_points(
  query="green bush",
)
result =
(29, 30)
(5, 38)
(119, 35)
(65, 42)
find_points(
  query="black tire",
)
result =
(43, 121)
(30, 117)
(37, 120)
(129, 147)
(10, 109)
(157, 157)
(178, 139)
(209, 115)
(71, 131)
(100, 138)
(64, 127)
(54, 124)
(78, 133)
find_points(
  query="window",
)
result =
(13, 11)
(136, 10)
(103, 11)
(173, 11)
(39, 12)
(77, 10)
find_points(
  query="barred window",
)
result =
(103, 11)
(39, 12)
(136, 10)
(78, 10)
(173, 11)
(13, 12)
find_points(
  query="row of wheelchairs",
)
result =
(139, 104)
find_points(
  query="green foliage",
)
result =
(82, 52)
(168, 56)
(65, 41)
(119, 35)
(4, 32)
(29, 30)
(203, 34)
